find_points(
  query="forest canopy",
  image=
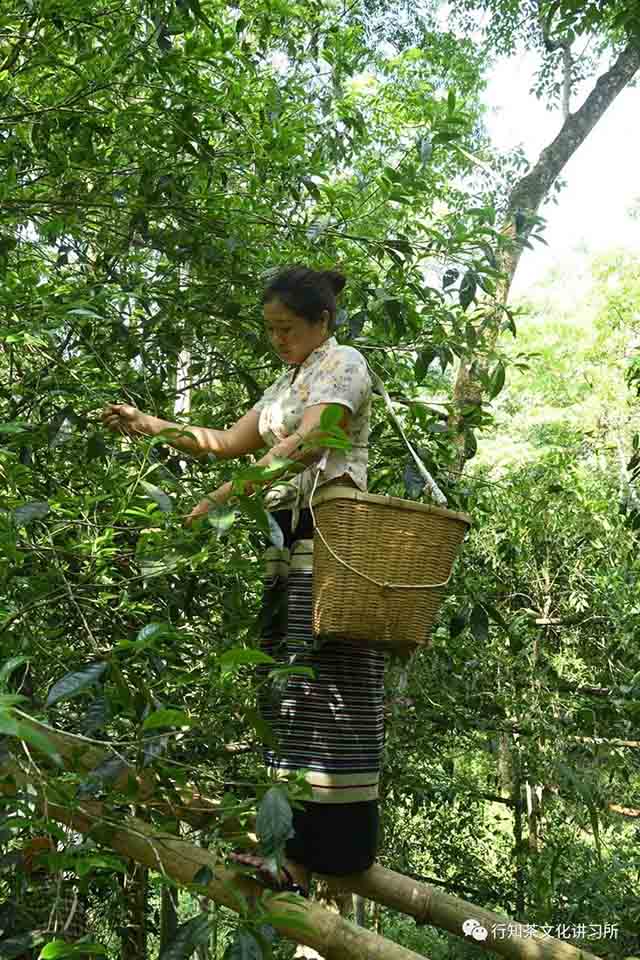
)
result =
(158, 163)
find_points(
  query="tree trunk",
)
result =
(202, 951)
(134, 930)
(168, 916)
(519, 848)
(525, 201)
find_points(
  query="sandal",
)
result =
(284, 884)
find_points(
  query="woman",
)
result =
(332, 725)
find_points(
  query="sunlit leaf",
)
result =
(164, 502)
(166, 718)
(241, 657)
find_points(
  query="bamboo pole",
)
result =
(300, 920)
(428, 904)
(423, 901)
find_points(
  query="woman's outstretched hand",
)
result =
(215, 499)
(122, 418)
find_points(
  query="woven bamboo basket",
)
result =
(380, 567)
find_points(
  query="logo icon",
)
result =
(472, 928)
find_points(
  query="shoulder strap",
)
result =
(430, 485)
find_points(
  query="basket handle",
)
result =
(383, 585)
(429, 482)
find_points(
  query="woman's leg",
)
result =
(335, 838)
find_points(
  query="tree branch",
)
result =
(328, 932)
(529, 193)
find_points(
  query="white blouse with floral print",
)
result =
(331, 374)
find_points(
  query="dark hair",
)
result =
(306, 292)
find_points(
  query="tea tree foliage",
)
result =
(157, 162)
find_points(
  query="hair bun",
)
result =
(336, 279)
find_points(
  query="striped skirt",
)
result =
(332, 724)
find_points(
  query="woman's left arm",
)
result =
(288, 449)
(308, 432)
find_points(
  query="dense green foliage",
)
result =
(156, 162)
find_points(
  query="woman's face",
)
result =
(292, 337)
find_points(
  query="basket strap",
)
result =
(384, 585)
(429, 482)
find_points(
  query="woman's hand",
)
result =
(215, 499)
(123, 418)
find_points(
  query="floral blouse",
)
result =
(331, 374)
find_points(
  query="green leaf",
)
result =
(451, 101)
(194, 933)
(96, 448)
(28, 512)
(283, 672)
(331, 416)
(458, 622)
(423, 362)
(147, 637)
(256, 510)
(274, 822)
(85, 863)
(496, 382)
(14, 427)
(241, 657)
(496, 616)
(221, 518)
(74, 683)
(9, 667)
(166, 718)
(479, 623)
(261, 475)
(244, 947)
(468, 289)
(12, 726)
(84, 312)
(164, 502)
(11, 700)
(312, 188)
(449, 277)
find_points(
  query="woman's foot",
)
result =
(293, 877)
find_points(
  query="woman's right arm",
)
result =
(243, 437)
